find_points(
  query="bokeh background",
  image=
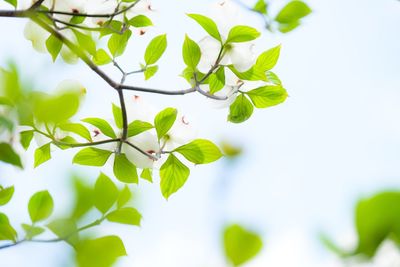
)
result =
(305, 163)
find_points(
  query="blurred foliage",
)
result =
(240, 244)
(377, 219)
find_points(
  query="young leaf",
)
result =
(150, 71)
(140, 21)
(124, 170)
(208, 25)
(117, 116)
(42, 154)
(32, 231)
(125, 216)
(53, 45)
(118, 42)
(173, 174)
(26, 138)
(65, 229)
(267, 96)
(76, 128)
(260, 7)
(268, 59)
(252, 74)
(217, 80)
(100, 252)
(240, 110)
(136, 127)
(155, 49)
(292, 12)
(102, 125)
(242, 33)
(124, 196)
(240, 244)
(86, 42)
(40, 206)
(7, 232)
(147, 175)
(6, 195)
(92, 156)
(105, 193)
(164, 121)
(200, 151)
(191, 53)
(12, 2)
(101, 57)
(8, 155)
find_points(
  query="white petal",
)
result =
(182, 132)
(209, 53)
(226, 15)
(146, 141)
(37, 36)
(139, 109)
(242, 56)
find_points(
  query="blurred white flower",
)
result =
(37, 36)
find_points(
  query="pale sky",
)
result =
(306, 161)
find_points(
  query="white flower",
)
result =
(139, 109)
(147, 142)
(37, 36)
(181, 132)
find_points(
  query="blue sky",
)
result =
(306, 162)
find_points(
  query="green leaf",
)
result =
(261, 7)
(268, 59)
(376, 219)
(287, 27)
(208, 25)
(102, 125)
(155, 49)
(40, 206)
(124, 170)
(267, 96)
(217, 80)
(273, 78)
(86, 42)
(92, 156)
(150, 71)
(6, 195)
(31, 231)
(7, 232)
(200, 151)
(136, 127)
(164, 121)
(65, 229)
(5, 101)
(42, 154)
(100, 252)
(101, 57)
(292, 12)
(124, 196)
(77, 19)
(53, 45)
(240, 110)
(26, 138)
(147, 175)
(191, 53)
(140, 21)
(84, 199)
(125, 216)
(12, 2)
(252, 74)
(173, 174)
(240, 244)
(242, 33)
(118, 42)
(8, 155)
(117, 113)
(76, 128)
(105, 193)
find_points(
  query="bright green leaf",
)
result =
(267, 96)
(40, 206)
(164, 121)
(125, 216)
(105, 193)
(173, 174)
(117, 113)
(26, 138)
(147, 175)
(292, 12)
(53, 45)
(8, 155)
(268, 59)
(6, 195)
(101, 57)
(102, 125)
(92, 156)
(242, 33)
(42, 154)
(76, 128)
(208, 25)
(65, 229)
(155, 49)
(140, 21)
(136, 127)
(124, 170)
(240, 110)
(32, 231)
(118, 42)
(200, 151)
(150, 71)
(7, 232)
(124, 196)
(217, 80)
(191, 53)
